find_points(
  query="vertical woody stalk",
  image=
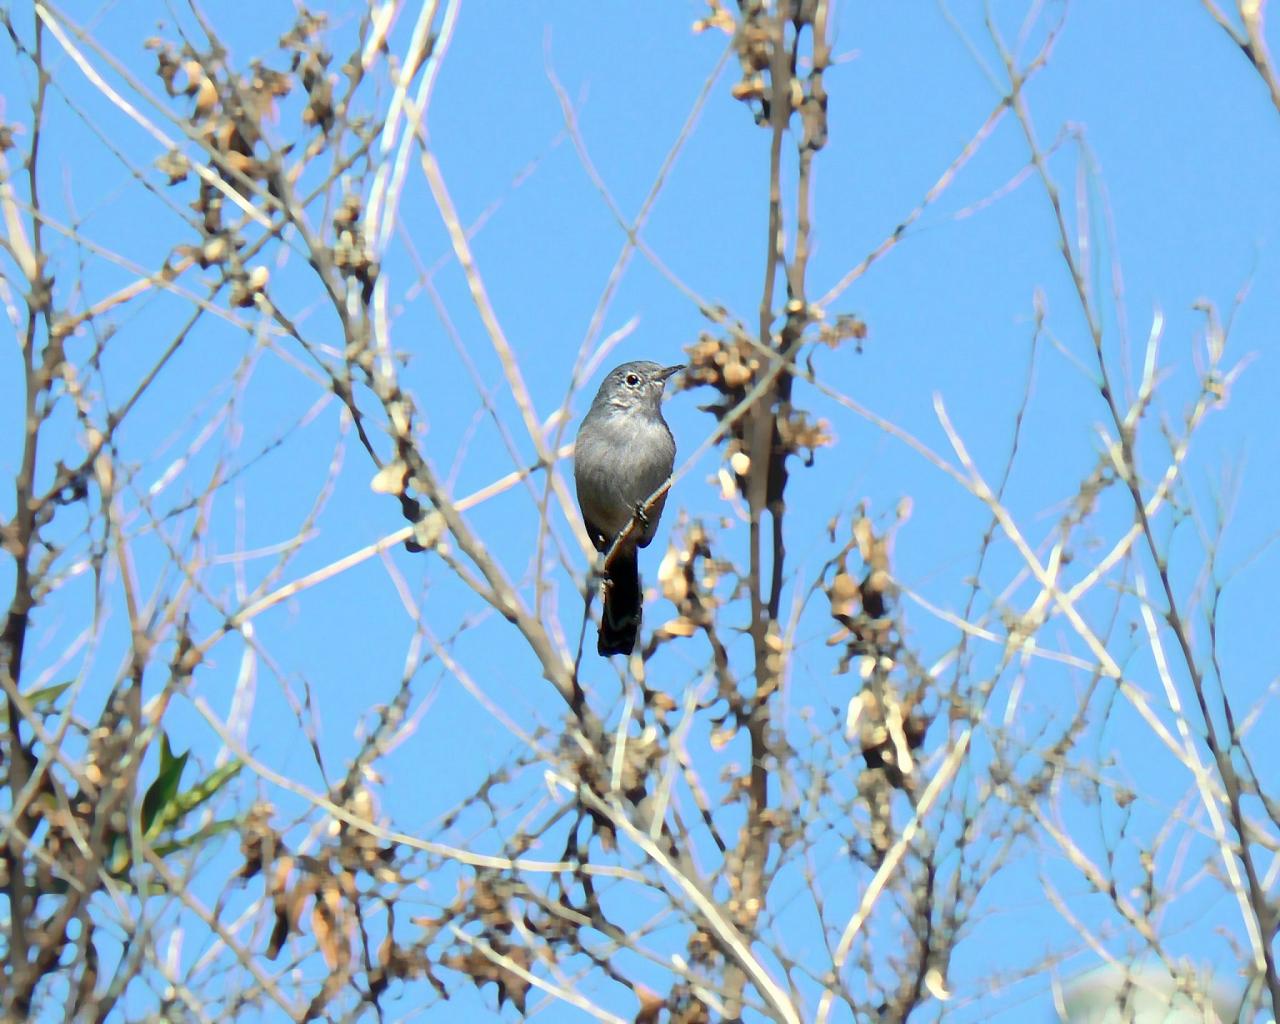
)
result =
(19, 536)
(788, 94)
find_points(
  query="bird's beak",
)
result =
(668, 371)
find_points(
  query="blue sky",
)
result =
(1168, 163)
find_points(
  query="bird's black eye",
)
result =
(633, 380)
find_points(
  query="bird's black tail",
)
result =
(623, 600)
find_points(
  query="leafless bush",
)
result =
(800, 798)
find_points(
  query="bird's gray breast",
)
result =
(621, 458)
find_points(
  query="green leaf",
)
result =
(178, 806)
(197, 838)
(162, 793)
(192, 798)
(45, 695)
(121, 856)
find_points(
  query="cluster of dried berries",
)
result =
(732, 366)
(229, 121)
(688, 576)
(885, 717)
(755, 36)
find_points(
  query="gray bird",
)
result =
(623, 454)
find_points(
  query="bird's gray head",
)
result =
(634, 385)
